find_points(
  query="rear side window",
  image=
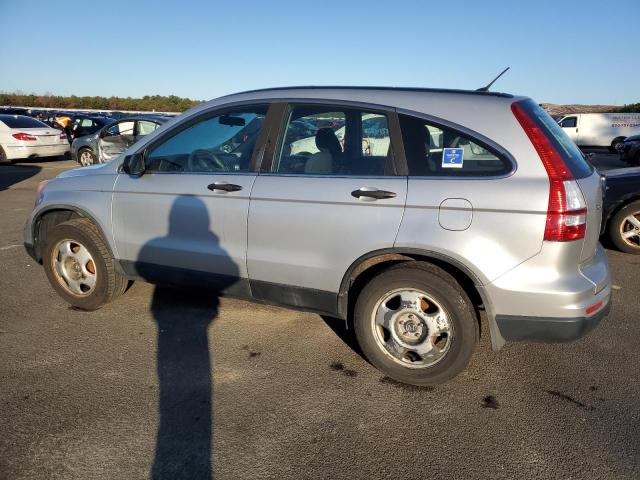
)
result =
(436, 151)
(335, 140)
(571, 154)
(18, 121)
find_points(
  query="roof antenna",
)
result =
(487, 87)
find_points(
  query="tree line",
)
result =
(158, 103)
(631, 108)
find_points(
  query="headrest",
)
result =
(326, 140)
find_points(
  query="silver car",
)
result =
(111, 140)
(477, 202)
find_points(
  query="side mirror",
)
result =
(134, 164)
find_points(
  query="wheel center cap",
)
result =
(410, 329)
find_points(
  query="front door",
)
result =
(321, 202)
(185, 219)
(115, 140)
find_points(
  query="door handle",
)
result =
(225, 187)
(372, 193)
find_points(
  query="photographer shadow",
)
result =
(184, 365)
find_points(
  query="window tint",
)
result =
(571, 155)
(569, 122)
(322, 140)
(122, 128)
(145, 127)
(223, 143)
(438, 151)
(17, 121)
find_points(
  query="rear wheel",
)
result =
(416, 324)
(86, 157)
(79, 265)
(624, 228)
(3, 157)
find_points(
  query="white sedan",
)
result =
(26, 137)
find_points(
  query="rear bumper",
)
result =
(547, 297)
(514, 328)
(16, 152)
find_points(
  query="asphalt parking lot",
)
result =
(252, 391)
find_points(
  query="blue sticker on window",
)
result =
(452, 157)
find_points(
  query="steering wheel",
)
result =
(202, 160)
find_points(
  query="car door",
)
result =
(116, 139)
(143, 128)
(185, 219)
(570, 127)
(315, 210)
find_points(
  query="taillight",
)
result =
(63, 136)
(24, 136)
(567, 209)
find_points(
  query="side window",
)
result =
(223, 143)
(438, 151)
(569, 122)
(122, 128)
(322, 140)
(145, 127)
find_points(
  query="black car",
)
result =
(621, 209)
(629, 150)
(82, 125)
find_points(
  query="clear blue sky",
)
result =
(559, 51)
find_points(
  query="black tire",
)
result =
(614, 144)
(3, 158)
(443, 289)
(109, 284)
(89, 153)
(617, 224)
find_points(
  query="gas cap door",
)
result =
(455, 214)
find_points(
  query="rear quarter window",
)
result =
(437, 151)
(571, 154)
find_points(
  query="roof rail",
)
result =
(400, 89)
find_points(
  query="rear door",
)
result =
(321, 202)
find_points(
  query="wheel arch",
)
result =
(370, 264)
(53, 215)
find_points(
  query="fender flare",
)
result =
(81, 212)
(497, 341)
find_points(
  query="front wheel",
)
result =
(416, 324)
(614, 144)
(79, 266)
(624, 228)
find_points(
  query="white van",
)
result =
(600, 129)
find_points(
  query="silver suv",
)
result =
(406, 212)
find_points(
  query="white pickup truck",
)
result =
(600, 129)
